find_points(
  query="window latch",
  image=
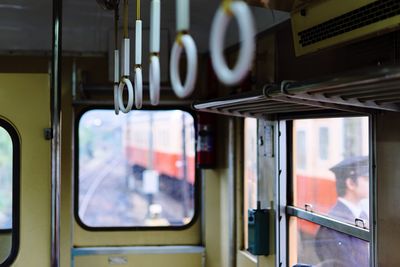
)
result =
(360, 223)
(308, 207)
(48, 133)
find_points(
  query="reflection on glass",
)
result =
(324, 247)
(136, 169)
(331, 175)
(6, 157)
(250, 170)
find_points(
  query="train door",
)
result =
(24, 170)
(136, 191)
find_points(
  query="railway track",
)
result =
(105, 200)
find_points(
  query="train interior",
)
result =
(271, 141)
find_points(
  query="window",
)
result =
(6, 180)
(135, 169)
(250, 170)
(301, 149)
(323, 143)
(328, 198)
(9, 193)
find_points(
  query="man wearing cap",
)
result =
(352, 186)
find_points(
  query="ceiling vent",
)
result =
(320, 24)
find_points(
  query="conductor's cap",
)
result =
(352, 167)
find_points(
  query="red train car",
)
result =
(162, 141)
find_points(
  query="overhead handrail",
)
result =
(114, 6)
(154, 71)
(126, 71)
(183, 41)
(242, 13)
(138, 59)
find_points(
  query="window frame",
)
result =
(245, 234)
(197, 182)
(16, 181)
(284, 190)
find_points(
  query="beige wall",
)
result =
(30, 118)
(149, 260)
(388, 188)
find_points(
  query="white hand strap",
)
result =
(242, 13)
(186, 42)
(154, 80)
(125, 82)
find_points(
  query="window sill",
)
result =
(246, 257)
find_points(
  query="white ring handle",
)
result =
(127, 82)
(191, 53)
(154, 80)
(242, 13)
(116, 99)
(138, 87)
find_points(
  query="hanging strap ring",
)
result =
(154, 78)
(242, 13)
(125, 82)
(186, 42)
(138, 87)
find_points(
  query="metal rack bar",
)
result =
(363, 91)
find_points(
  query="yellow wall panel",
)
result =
(190, 236)
(244, 259)
(25, 103)
(147, 260)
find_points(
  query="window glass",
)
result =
(316, 245)
(136, 169)
(335, 179)
(301, 149)
(6, 179)
(250, 169)
(323, 143)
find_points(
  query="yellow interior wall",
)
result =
(190, 236)
(224, 223)
(212, 208)
(215, 203)
(30, 118)
(245, 259)
(72, 233)
(148, 260)
(388, 188)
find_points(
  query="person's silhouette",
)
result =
(352, 185)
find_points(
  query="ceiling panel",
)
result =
(25, 25)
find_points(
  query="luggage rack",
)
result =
(365, 91)
(253, 104)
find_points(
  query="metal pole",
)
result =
(232, 191)
(74, 79)
(55, 124)
(150, 156)
(185, 193)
